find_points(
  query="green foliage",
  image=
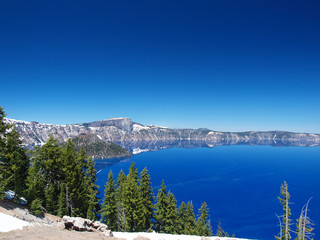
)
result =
(61, 180)
(190, 225)
(171, 224)
(97, 148)
(64, 180)
(90, 176)
(203, 223)
(147, 199)
(285, 218)
(109, 205)
(62, 201)
(221, 232)
(128, 202)
(121, 218)
(187, 219)
(14, 162)
(131, 200)
(161, 209)
(35, 207)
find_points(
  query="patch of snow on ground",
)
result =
(163, 236)
(138, 127)
(9, 223)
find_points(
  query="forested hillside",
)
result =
(97, 148)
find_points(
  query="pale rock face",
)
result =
(139, 138)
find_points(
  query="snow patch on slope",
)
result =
(161, 236)
(9, 223)
(138, 127)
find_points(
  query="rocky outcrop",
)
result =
(82, 224)
(138, 138)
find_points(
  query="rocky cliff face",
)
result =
(138, 138)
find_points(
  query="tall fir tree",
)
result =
(62, 208)
(131, 199)
(182, 218)
(46, 175)
(285, 218)
(187, 220)
(74, 180)
(91, 187)
(14, 162)
(121, 217)
(36, 180)
(3, 132)
(147, 199)
(171, 221)
(203, 223)
(161, 209)
(109, 205)
(191, 225)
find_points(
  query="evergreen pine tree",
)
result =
(147, 199)
(109, 205)
(186, 219)
(190, 225)
(36, 207)
(90, 176)
(74, 180)
(36, 180)
(15, 163)
(45, 175)
(161, 209)
(119, 185)
(182, 218)
(62, 201)
(121, 217)
(286, 221)
(171, 221)
(203, 223)
(131, 199)
(3, 130)
(220, 231)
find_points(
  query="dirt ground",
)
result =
(52, 233)
(47, 228)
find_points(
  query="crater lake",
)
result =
(240, 183)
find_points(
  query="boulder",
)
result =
(80, 224)
(68, 222)
(102, 228)
(97, 224)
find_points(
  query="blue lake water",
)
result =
(239, 183)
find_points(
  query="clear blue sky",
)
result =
(225, 65)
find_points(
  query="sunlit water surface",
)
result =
(239, 183)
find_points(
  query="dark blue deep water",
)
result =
(240, 183)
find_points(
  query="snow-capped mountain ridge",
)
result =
(132, 135)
